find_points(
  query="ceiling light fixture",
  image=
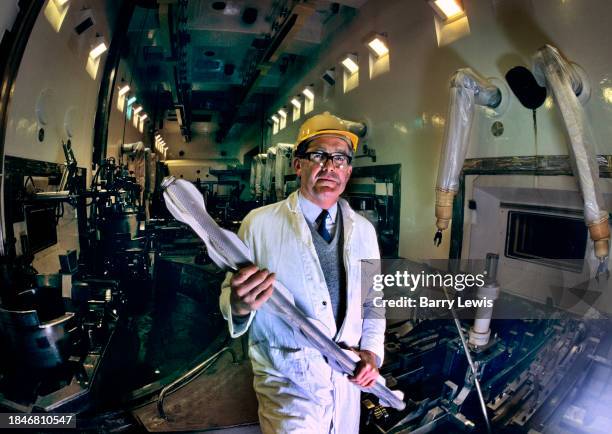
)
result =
(125, 89)
(296, 103)
(98, 50)
(378, 46)
(350, 64)
(330, 76)
(308, 93)
(448, 10)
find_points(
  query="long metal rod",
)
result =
(466, 350)
(189, 376)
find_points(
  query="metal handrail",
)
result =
(189, 376)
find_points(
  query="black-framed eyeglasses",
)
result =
(339, 160)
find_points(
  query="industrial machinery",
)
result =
(512, 376)
(526, 372)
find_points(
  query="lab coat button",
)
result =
(324, 303)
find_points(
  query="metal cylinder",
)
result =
(491, 262)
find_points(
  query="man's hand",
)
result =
(366, 371)
(251, 287)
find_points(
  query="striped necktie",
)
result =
(322, 227)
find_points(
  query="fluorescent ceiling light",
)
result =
(125, 89)
(143, 117)
(296, 103)
(275, 118)
(378, 46)
(308, 93)
(60, 3)
(97, 50)
(137, 110)
(350, 63)
(447, 10)
(282, 113)
(131, 100)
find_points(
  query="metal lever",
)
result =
(438, 238)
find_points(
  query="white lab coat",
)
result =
(297, 390)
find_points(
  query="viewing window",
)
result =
(552, 240)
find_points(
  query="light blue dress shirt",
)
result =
(311, 213)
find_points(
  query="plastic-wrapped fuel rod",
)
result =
(467, 89)
(284, 152)
(186, 204)
(260, 166)
(268, 173)
(563, 80)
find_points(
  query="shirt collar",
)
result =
(311, 211)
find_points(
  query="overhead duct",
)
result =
(467, 90)
(569, 87)
(292, 24)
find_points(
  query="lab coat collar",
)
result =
(301, 228)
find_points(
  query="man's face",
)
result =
(323, 185)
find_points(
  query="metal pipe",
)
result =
(189, 376)
(466, 350)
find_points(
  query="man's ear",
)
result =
(297, 165)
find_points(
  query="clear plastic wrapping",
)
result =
(560, 77)
(268, 173)
(282, 167)
(259, 161)
(253, 177)
(467, 90)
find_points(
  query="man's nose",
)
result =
(329, 161)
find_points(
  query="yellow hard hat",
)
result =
(323, 124)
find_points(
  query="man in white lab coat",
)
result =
(313, 241)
